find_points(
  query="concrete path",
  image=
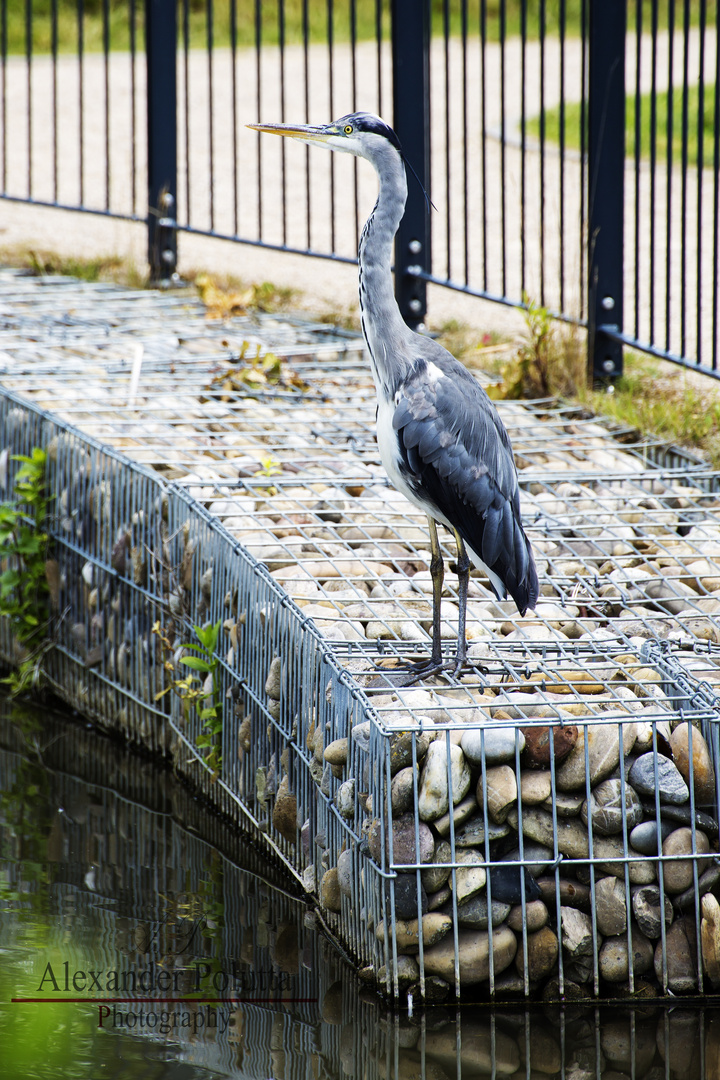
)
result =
(262, 188)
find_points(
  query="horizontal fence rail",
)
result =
(573, 158)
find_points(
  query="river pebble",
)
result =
(650, 772)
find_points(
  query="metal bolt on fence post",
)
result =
(161, 37)
(411, 120)
(606, 179)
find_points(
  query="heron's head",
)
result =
(362, 134)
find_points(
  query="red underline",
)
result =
(164, 1001)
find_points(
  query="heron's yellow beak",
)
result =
(305, 132)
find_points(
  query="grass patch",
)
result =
(672, 404)
(292, 21)
(652, 397)
(111, 268)
(701, 127)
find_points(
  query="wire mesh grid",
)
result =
(164, 906)
(255, 499)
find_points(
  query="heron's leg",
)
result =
(437, 573)
(463, 573)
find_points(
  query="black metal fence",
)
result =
(571, 146)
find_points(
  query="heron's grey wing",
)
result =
(456, 453)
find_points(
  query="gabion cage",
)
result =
(163, 902)
(201, 480)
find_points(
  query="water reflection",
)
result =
(139, 934)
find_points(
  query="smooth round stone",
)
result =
(648, 912)
(535, 916)
(710, 938)
(345, 799)
(407, 931)
(336, 752)
(669, 783)
(401, 749)
(464, 809)
(273, 683)
(565, 806)
(703, 777)
(706, 882)
(610, 906)
(406, 897)
(345, 872)
(284, 817)
(603, 755)
(506, 884)
(571, 837)
(435, 876)
(473, 832)
(433, 795)
(540, 746)
(497, 744)
(318, 742)
(644, 837)
(541, 956)
(501, 791)
(678, 875)
(573, 894)
(535, 786)
(473, 913)
(683, 816)
(361, 735)
(536, 857)
(407, 969)
(471, 880)
(473, 954)
(330, 890)
(403, 834)
(436, 900)
(402, 790)
(681, 955)
(614, 961)
(605, 808)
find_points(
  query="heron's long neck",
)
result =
(387, 335)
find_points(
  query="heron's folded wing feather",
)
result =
(457, 456)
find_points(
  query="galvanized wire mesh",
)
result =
(200, 479)
(145, 882)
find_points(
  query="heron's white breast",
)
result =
(389, 446)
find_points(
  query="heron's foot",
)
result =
(417, 670)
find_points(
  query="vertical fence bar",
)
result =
(161, 37)
(606, 169)
(411, 97)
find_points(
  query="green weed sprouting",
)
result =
(24, 589)
(201, 694)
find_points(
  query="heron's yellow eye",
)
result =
(348, 129)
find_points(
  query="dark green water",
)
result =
(142, 937)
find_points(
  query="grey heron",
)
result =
(441, 440)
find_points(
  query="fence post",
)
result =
(160, 50)
(606, 176)
(411, 120)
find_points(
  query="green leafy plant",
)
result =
(546, 363)
(199, 690)
(24, 589)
